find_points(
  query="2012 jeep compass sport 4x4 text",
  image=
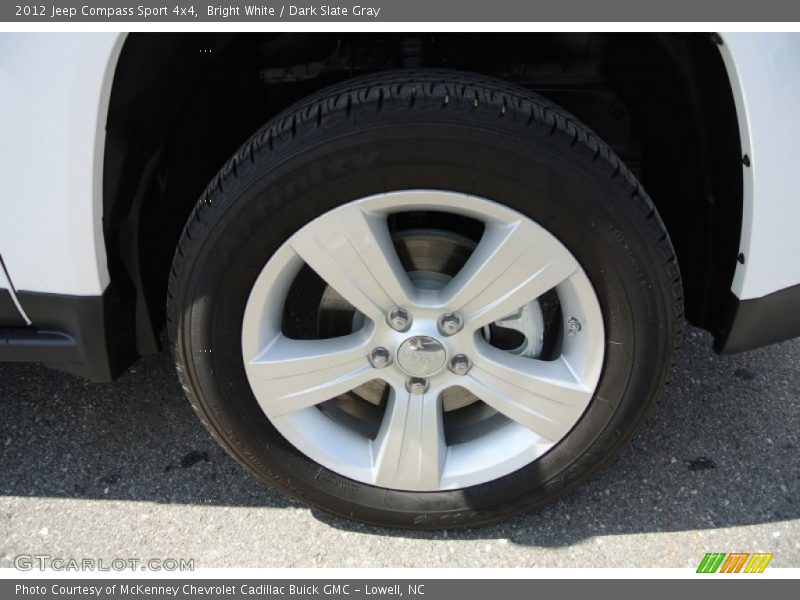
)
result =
(417, 280)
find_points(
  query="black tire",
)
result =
(435, 130)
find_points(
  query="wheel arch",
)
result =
(182, 104)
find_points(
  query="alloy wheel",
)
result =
(422, 337)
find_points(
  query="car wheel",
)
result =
(424, 299)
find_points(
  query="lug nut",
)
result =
(399, 319)
(380, 358)
(417, 385)
(450, 323)
(460, 364)
(573, 326)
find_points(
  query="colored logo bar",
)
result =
(734, 562)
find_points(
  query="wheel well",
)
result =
(181, 104)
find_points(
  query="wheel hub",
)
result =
(432, 257)
(421, 356)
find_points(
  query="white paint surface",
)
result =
(54, 91)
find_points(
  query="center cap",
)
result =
(421, 356)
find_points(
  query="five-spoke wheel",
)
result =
(423, 341)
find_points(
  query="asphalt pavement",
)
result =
(126, 470)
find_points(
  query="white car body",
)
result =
(763, 73)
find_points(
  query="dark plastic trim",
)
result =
(9, 315)
(749, 324)
(26, 344)
(83, 335)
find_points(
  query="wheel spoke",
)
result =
(409, 451)
(514, 263)
(353, 252)
(544, 396)
(289, 375)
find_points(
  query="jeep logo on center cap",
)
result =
(421, 356)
